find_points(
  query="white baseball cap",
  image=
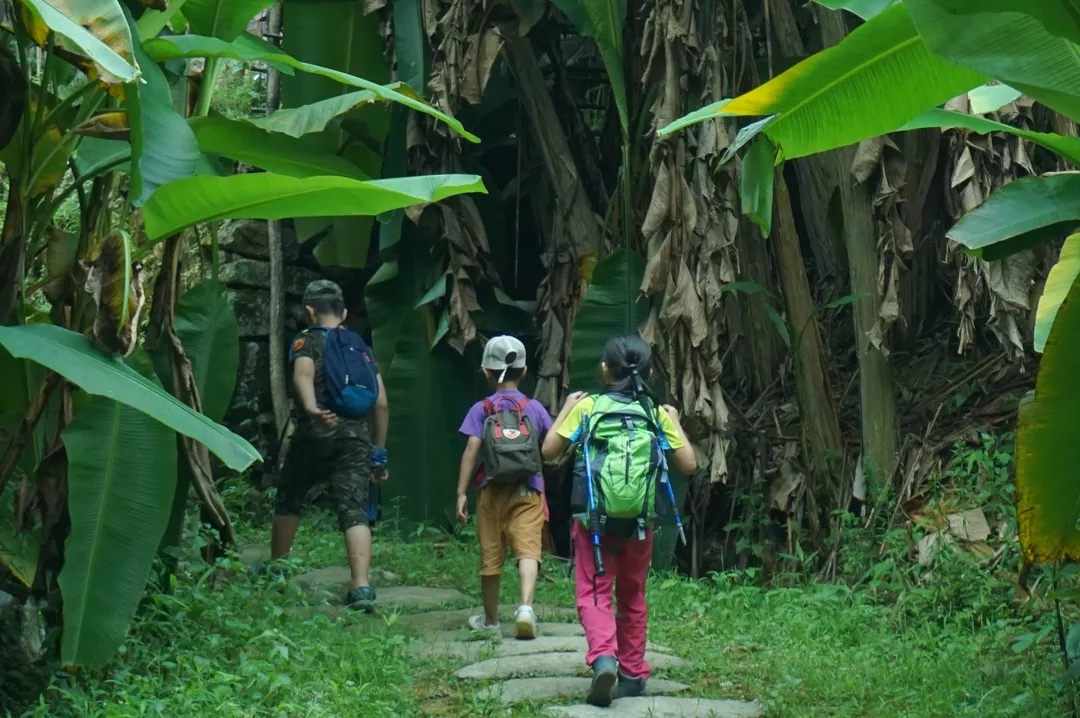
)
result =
(502, 353)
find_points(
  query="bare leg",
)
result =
(282, 535)
(358, 546)
(528, 568)
(489, 587)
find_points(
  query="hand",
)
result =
(572, 401)
(380, 475)
(672, 412)
(325, 417)
(462, 509)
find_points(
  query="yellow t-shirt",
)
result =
(572, 423)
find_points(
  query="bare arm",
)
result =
(554, 445)
(468, 464)
(381, 422)
(684, 458)
(304, 382)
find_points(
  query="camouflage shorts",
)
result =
(342, 462)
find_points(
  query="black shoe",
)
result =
(361, 598)
(629, 687)
(604, 674)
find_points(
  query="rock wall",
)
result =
(245, 272)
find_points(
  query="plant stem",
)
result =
(33, 413)
(215, 252)
(211, 71)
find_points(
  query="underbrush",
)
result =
(953, 635)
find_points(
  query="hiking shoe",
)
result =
(604, 674)
(264, 570)
(525, 618)
(361, 598)
(479, 623)
(629, 687)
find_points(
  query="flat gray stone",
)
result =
(471, 650)
(242, 272)
(549, 664)
(254, 554)
(520, 690)
(661, 707)
(451, 619)
(333, 581)
(561, 630)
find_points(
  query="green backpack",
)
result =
(625, 464)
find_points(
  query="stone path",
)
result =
(548, 669)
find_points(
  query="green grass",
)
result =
(225, 646)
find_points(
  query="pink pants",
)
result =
(608, 633)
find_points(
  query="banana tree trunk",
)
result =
(877, 395)
(576, 229)
(816, 404)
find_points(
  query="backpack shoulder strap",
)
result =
(489, 407)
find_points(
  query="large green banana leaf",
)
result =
(603, 20)
(224, 19)
(878, 78)
(865, 9)
(430, 389)
(270, 151)
(1047, 492)
(410, 44)
(991, 98)
(1022, 213)
(314, 116)
(73, 356)
(152, 22)
(612, 306)
(1058, 283)
(97, 27)
(756, 184)
(269, 196)
(163, 147)
(247, 49)
(1066, 147)
(121, 478)
(344, 240)
(1007, 40)
(1061, 18)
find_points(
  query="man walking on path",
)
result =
(341, 415)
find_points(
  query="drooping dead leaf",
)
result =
(110, 125)
(115, 330)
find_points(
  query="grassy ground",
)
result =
(237, 648)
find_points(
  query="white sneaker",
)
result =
(479, 623)
(525, 618)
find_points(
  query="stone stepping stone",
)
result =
(520, 690)
(549, 664)
(458, 619)
(332, 581)
(471, 650)
(561, 630)
(661, 707)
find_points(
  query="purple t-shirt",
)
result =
(474, 423)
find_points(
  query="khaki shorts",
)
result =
(508, 516)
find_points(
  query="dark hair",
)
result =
(629, 362)
(512, 373)
(328, 307)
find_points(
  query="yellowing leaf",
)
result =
(1047, 492)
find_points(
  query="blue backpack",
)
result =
(349, 372)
